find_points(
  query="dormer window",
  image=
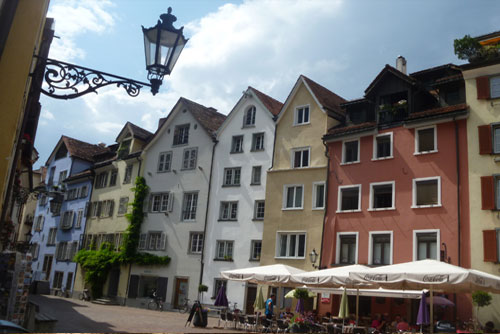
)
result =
(124, 149)
(181, 134)
(301, 115)
(249, 119)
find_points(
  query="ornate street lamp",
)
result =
(313, 256)
(163, 45)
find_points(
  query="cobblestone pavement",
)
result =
(76, 316)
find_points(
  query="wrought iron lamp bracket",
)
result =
(68, 81)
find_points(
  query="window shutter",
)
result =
(483, 88)
(42, 222)
(163, 241)
(111, 208)
(71, 219)
(133, 286)
(58, 246)
(142, 241)
(170, 202)
(485, 139)
(99, 207)
(37, 251)
(69, 248)
(487, 193)
(490, 245)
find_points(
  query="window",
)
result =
(382, 195)
(232, 176)
(249, 119)
(347, 248)
(293, 196)
(237, 144)
(102, 209)
(495, 87)
(350, 151)
(72, 249)
(425, 140)
(224, 250)
(196, 242)
(72, 194)
(156, 241)
(39, 223)
(67, 220)
(43, 200)
(79, 218)
(255, 250)
(300, 157)
(349, 198)
(181, 134)
(259, 209)
(256, 175)
(189, 206)
(113, 177)
(142, 241)
(62, 176)
(318, 195)
(161, 202)
(84, 191)
(51, 240)
(128, 174)
(124, 149)
(101, 180)
(258, 141)
(122, 208)
(426, 245)
(291, 245)
(55, 207)
(228, 211)
(302, 115)
(189, 158)
(491, 247)
(382, 146)
(62, 251)
(94, 209)
(51, 176)
(35, 250)
(165, 162)
(118, 241)
(380, 248)
(426, 192)
(218, 284)
(58, 279)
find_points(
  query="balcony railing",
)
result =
(392, 114)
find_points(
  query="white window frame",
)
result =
(191, 161)
(343, 151)
(230, 206)
(163, 197)
(435, 150)
(255, 209)
(184, 206)
(79, 218)
(438, 242)
(285, 193)
(52, 236)
(339, 198)
(254, 142)
(66, 220)
(372, 193)
(414, 192)
(120, 203)
(288, 233)
(191, 236)
(225, 244)
(232, 183)
(253, 117)
(384, 134)
(178, 128)
(301, 149)
(254, 174)
(127, 177)
(296, 115)
(233, 145)
(370, 245)
(492, 95)
(164, 168)
(252, 248)
(314, 194)
(337, 246)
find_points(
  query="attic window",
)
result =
(62, 152)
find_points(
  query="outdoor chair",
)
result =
(282, 326)
(267, 325)
(251, 323)
(223, 318)
(230, 319)
(242, 321)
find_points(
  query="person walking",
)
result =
(269, 306)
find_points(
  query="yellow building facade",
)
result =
(296, 182)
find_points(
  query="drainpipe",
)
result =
(202, 264)
(326, 200)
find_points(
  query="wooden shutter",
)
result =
(490, 246)
(133, 286)
(161, 287)
(163, 241)
(111, 208)
(485, 139)
(170, 202)
(483, 88)
(487, 193)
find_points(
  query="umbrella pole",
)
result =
(432, 312)
(357, 305)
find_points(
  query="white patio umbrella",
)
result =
(428, 274)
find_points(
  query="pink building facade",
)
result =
(398, 180)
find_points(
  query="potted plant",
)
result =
(480, 299)
(201, 289)
(299, 324)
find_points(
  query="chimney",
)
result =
(101, 144)
(401, 64)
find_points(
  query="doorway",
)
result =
(47, 266)
(114, 279)
(181, 292)
(251, 295)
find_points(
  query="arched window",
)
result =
(249, 119)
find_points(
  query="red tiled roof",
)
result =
(85, 173)
(438, 111)
(209, 118)
(274, 106)
(389, 69)
(139, 132)
(82, 150)
(335, 131)
(326, 98)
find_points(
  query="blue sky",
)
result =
(341, 44)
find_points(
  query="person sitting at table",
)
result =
(403, 325)
(396, 321)
(375, 323)
(352, 319)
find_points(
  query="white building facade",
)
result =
(242, 157)
(176, 166)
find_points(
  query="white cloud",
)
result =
(74, 18)
(108, 127)
(46, 114)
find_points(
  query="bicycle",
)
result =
(62, 292)
(155, 304)
(185, 307)
(84, 295)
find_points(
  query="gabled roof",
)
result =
(274, 106)
(327, 100)
(208, 117)
(135, 131)
(388, 69)
(78, 149)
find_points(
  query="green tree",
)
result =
(480, 299)
(467, 48)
